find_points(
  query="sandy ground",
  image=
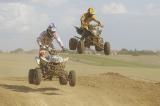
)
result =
(103, 88)
(110, 89)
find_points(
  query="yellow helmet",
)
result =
(91, 11)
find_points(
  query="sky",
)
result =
(131, 24)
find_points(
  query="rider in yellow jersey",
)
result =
(87, 18)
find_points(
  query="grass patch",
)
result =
(101, 60)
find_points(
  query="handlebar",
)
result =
(101, 26)
(52, 51)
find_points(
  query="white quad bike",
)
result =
(49, 68)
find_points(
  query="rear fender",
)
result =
(78, 30)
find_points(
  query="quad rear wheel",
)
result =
(107, 48)
(80, 47)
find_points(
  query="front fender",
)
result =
(37, 60)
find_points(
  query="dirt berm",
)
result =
(108, 89)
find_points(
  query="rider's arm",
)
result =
(39, 39)
(59, 41)
(82, 19)
(94, 18)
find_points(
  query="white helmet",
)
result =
(51, 29)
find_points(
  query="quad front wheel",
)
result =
(98, 48)
(73, 43)
(63, 80)
(30, 76)
(35, 76)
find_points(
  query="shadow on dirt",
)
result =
(25, 89)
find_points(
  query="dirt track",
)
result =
(110, 89)
(93, 88)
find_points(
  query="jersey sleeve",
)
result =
(39, 39)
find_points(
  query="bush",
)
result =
(19, 50)
(136, 52)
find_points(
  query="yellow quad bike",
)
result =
(90, 37)
(48, 69)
